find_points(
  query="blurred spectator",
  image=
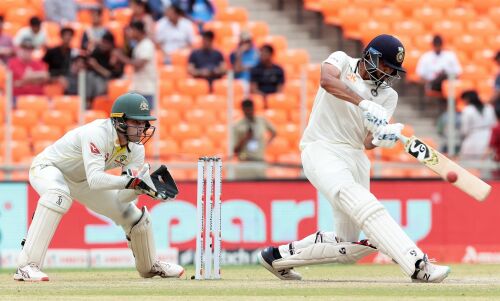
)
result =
(266, 77)
(495, 144)
(33, 31)
(6, 45)
(437, 65)
(249, 134)
(198, 11)
(477, 121)
(102, 66)
(143, 61)
(93, 34)
(496, 93)
(58, 58)
(244, 57)
(77, 65)
(29, 75)
(60, 11)
(112, 4)
(207, 62)
(141, 12)
(174, 32)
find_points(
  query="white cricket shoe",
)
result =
(428, 272)
(31, 272)
(165, 270)
(266, 258)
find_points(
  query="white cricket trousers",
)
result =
(330, 166)
(111, 203)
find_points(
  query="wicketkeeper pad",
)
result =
(318, 253)
(141, 241)
(49, 211)
(379, 226)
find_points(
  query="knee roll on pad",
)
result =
(141, 241)
(57, 200)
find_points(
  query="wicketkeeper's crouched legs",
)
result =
(49, 211)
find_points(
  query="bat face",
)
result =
(442, 165)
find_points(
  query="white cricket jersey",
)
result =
(340, 122)
(84, 153)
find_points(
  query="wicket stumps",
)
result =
(208, 209)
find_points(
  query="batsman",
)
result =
(350, 114)
(74, 168)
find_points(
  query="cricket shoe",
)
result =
(31, 272)
(266, 258)
(425, 271)
(165, 270)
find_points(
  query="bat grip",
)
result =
(403, 138)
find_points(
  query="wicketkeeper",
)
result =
(74, 168)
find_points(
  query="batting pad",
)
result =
(49, 211)
(318, 237)
(379, 227)
(143, 245)
(342, 252)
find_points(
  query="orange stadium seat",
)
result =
(276, 116)
(117, 87)
(46, 133)
(296, 57)
(369, 30)
(461, 14)
(278, 42)
(330, 10)
(211, 102)
(278, 146)
(467, 43)
(289, 158)
(282, 172)
(423, 42)
(406, 6)
(482, 6)
(178, 102)
(289, 131)
(40, 145)
(166, 87)
(18, 133)
(460, 86)
(474, 72)
(349, 20)
(370, 4)
(389, 172)
(180, 57)
(69, 104)
(222, 29)
(184, 130)
(313, 5)
(25, 118)
(21, 150)
(217, 132)
(280, 101)
(20, 15)
(388, 14)
(314, 73)
(448, 29)
(34, 103)
(494, 42)
(197, 146)
(193, 87)
(494, 14)
(102, 103)
(482, 27)
(221, 86)
(199, 116)
(6, 5)
(427, 15)
(122, 15)
(57, 118)
(442, 4)
(408, 28)
(294, 87)
(220, 4)
(117, 29)
(172, 73)
(258, 29)
(11, 29)
(232, 14)
(53, 89)
(91, 115)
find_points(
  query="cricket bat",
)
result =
(446, 168)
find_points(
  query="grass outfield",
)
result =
(334, 282)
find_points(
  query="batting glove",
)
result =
(374, 115)
(388, 135)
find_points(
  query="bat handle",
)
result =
(403, 138)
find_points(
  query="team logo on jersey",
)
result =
(351, 77)
(144, 106)
(94, 149)
(401, 55)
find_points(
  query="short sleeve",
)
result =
(338, 59)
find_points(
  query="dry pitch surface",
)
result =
(334, 282)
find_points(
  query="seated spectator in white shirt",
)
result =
(94, 33)
(174, 31)
(60, 11)
(34, 32)
(437, 65)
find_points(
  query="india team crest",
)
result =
(144, 106)
(401, 54)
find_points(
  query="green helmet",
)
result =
(132, 106)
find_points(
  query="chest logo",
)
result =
(94, 149)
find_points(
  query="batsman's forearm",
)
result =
(340, 90)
